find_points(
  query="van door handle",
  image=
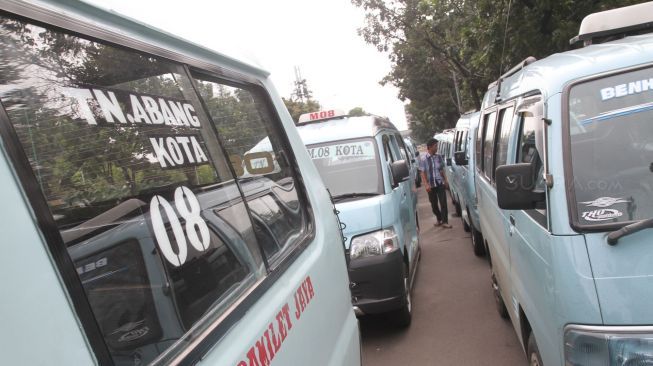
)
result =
(512, 220)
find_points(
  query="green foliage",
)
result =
(297, 107)
(431, 40)
(357, 111)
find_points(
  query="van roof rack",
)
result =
(529, 60)
(620, 22)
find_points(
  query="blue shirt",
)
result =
(431, 166)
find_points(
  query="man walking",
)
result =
(432, 170)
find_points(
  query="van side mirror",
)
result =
(417, 154)
(460, 158)
(515, 187)
(448, 161)
(399, 171)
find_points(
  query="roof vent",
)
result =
(616, 23)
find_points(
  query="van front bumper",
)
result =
(377, 283)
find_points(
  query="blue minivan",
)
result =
(565, 188)
(463, 178)
(366, 167)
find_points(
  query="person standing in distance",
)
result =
(432, 170)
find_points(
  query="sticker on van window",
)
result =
(605, 202)
(360, 150)
(110, 107)
(188, 206)
(178, 150)
(622, 90)
(602, 214)
(270, 342)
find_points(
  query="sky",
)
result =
(319, 37)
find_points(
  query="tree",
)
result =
(433, 42)
(357, 111)
(297, 108)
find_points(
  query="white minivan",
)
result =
(139, 226)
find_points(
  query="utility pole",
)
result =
(301, 92)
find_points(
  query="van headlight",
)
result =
(376, 243)
(608, 346)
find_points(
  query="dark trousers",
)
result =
(439, 195)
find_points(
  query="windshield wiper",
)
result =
(614, 236)
(353, 195)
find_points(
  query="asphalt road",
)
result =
(455, 321)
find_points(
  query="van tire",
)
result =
(403, 316)
(532, 352)
(459, 210)
(498, 299)
(477, 242)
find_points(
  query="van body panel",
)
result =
(317, 266)
(403, 221)
(531, 278)
(559, 271)
(296, 348)
(551, 74)
(624, 277)
(352, 211)
(28, 321)
(494, 225)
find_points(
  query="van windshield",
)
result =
(350, 166)
(611, 126)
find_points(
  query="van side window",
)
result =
(503, 130)
(260, 159)
(387, 150)
(478, 148)
(527, 153)
(140, 203)
(403, 151)
(488, 144)
(394, 148)
(463, 141)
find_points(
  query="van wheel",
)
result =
(534, 357)
(477, 242)
(403, 316)
(498, 300)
